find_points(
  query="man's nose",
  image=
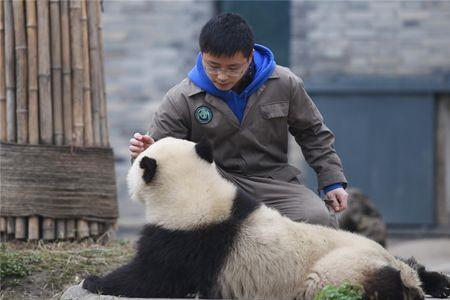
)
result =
(222, 76)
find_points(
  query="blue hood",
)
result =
(265, 64)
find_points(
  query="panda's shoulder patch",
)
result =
(204, 149)
(243, 205)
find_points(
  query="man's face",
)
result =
(225, 71)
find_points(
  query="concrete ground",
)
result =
(434, 253)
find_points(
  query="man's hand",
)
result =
(339, 199)
(139, 143)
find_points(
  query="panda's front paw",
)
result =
(93, 284)
(437, 284)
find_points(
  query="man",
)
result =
(245, 104)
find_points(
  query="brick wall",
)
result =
(149, 47)
(370, 37)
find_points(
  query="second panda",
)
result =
(206, 239)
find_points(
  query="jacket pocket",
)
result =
(274, 110)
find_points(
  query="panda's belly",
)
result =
(270, 257)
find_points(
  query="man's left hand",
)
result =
(339, 197)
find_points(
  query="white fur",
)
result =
(300, 258)
(186, 192)
(273, 257)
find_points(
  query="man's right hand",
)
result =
(139, 143)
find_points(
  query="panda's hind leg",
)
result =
(434, 284)
(363, 267)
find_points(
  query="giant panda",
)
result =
(205, 238)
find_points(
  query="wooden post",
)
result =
(48, 229)
(77, 72)
(33, 108)
(88, 129)
(10, 77)
(95, 70)
(442, 183)
(21, 228)
(60, 229)
(70, 229)
(67, 72)
(3, 124)
(45, 88)
(56, 72)
(33, 228)
(82, 229)
(21, 73)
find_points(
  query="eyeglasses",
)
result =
(229, 72)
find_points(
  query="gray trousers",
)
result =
(291, 199)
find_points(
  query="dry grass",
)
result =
(44, 270)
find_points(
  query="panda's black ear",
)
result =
(149, 166)
(204, 150)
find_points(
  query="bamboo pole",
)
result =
(33, 108)
(82, 229)
(2, 224)
(70, 229)
(77, 69)
(56, 71)
(93, 228)
(60, 229)
(45, 88)
(101, 228)
(10, 225)
(48, 229)
(21, 228)
(88, 132)
(10, 77)
(66, 72)
(95, 70)
(33, 228)
(21, 73)
(3, 124)
(103, 107)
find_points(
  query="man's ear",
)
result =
(149, 166)
(204, 150)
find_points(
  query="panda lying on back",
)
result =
(205, 238)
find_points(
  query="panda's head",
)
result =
(178, 182)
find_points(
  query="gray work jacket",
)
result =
(258, 145)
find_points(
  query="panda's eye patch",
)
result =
(149, 166)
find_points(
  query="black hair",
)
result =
(226, 34)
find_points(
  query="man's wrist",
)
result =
(331, 187)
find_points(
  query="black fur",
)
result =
(176, 263)
(149, 166)
(204, 149)
(434, 284)
(386, 284)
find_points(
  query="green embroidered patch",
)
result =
(203, 114)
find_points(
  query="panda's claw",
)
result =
(439, 285)
(92, 283)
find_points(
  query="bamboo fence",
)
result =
(52, 94)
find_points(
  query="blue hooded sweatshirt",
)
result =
(265, 64)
